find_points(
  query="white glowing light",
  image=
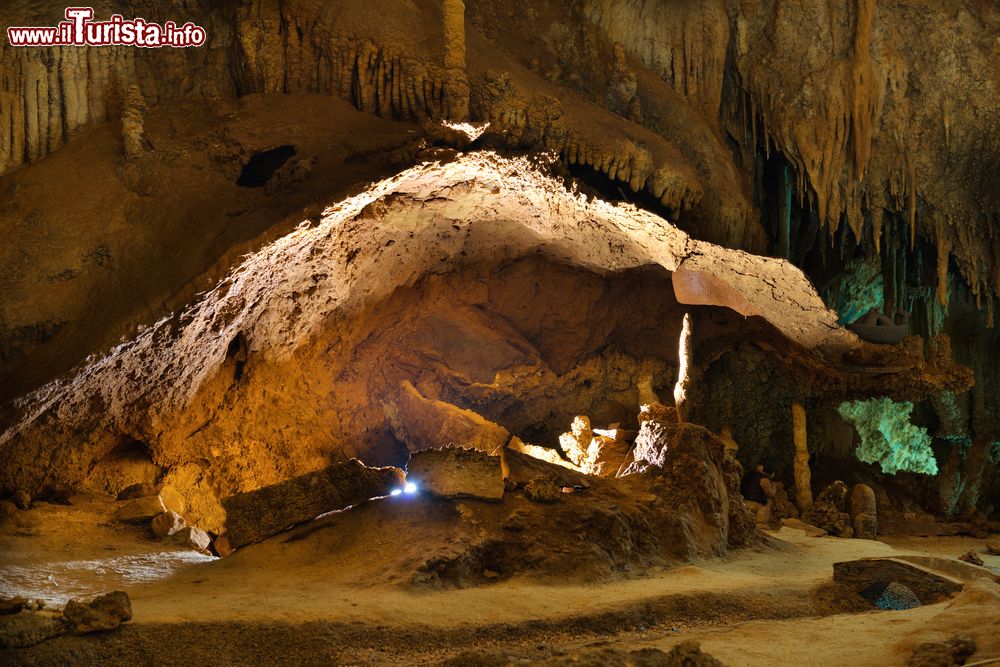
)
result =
(472, 130)
(410, 487)
(395, 492)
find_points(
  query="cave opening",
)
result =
(262, 166)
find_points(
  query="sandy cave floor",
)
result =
(763, 605)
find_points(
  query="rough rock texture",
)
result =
(543, 489)
(864, 515)
(27, 629)
(454, 472)
(195, 538)
(140, 510)
(256, 515)
(829, 511)
(954, 651)
(929, 586)
(888, 124)
(105, 612)
(167, 524)
(270, 374)
(698, 480)
(972, 557)
(422, 424)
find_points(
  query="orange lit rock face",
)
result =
(289, 362)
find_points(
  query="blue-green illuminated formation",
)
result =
(887, 436)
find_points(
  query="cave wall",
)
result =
(292, 359)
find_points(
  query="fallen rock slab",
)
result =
(875, 574)
(454, 472)
(140, 510)
(166, 524)
(193, 538)
(256, 515)
(105, 612)
(422, 423)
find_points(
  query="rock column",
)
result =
(803, 489)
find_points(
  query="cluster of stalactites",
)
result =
(831, 155)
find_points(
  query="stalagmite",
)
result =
(684, 371)
(803, 490)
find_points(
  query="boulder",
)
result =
(140, 510)
(543, 489)
(105, 612)
(453, 472)
(864, 519)
(954, 651)
(829, 511)
(221, 547)
(193, 538)
(657, 426)
(576, 442)
(972, 557)
(22, 500)
(993, 547)
(606, 455)
(166, 524)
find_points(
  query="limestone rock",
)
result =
(453, 472)
(400, 233)
(993, 546)
(140, 510)
(193, 538)
(864, 517)
(972, 557)
(8, 510)
(874, 574)
(105, 612)
(12, 605)
(651, 443)
(543, 489)
(742, 528)
(137, 490)
(22, 500)
(422, 423)
(576, 442)
(541, 453)
(222, 547)
(167, 524)
(27, 629)
(829, 511)
(606, 455)
(256, 515)
(954, 651)
(808, 529)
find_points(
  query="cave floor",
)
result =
(277, 602)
